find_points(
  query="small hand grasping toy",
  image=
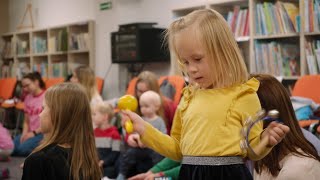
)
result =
(272, 115)
(128, 102)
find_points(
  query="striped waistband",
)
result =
(212, 161)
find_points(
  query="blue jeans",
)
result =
(25, 148)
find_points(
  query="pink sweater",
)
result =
(33, 107)
(6, 142)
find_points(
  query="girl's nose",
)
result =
(192, 68)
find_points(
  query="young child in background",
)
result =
(107, 138)
(205, 134)
(294, 157)
(147, 81)
(68, 149)
(31, 135)
(6, 148)
(6, 144)
(137, 158)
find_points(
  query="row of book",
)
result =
(39, 45)
(10, 69)
(277, 18)
(79, 41)
(22, 47)
(313, 56)
(58, 69)
(312, 15)
(6, 70)
(279, 59)
(58, 43)
(238, 20)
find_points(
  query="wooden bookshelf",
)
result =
(54, 51)
(295, 30)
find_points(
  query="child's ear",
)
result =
(157, 107)
(106, 117)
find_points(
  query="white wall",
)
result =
(48, 13)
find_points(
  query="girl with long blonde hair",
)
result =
(68, 149)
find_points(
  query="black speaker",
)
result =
(138, 43)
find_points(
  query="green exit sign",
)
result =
(105, 5)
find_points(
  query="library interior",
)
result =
(114, 89)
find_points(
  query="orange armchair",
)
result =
(7, 86)
(176, 81)
(308, 86)
(99, 82)
(53, 81)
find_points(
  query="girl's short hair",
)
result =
(87, 78)
(105, 108)
(71, 121)
(225, 59)
(35, 76)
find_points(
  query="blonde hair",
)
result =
(105, 108)
(151, 97)
(87, 79)
(70, 115)
(226, 62)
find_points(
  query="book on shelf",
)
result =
(238, 21)
(8, 48)
(59, 69)
(277, 18)
(7, 69)
(42, 68)
(22, 70)
(59, 42)
(313, 56)
(276, 58)
(39, 45)
(312, 15)
(22, 47)
(79, 41)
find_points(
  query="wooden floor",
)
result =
(14, 167)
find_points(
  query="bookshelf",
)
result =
(53, 51)
(282, 38)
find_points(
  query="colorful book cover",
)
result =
(291, 59)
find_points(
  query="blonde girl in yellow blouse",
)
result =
(205, 135)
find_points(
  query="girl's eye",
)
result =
(185, 62)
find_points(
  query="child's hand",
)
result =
(101, 162)
(152, 176)
(275, 132)
(26, 136)
(138, 122)
(133, 140)
(141, 176)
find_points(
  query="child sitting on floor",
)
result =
(6, 144)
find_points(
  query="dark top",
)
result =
(50, 163)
